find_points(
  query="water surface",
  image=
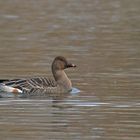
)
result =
(102, 38)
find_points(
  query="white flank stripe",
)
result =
(9, 89)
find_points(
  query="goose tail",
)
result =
(10, 89)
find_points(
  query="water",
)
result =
(102, 39)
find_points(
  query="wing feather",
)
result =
(32, 85)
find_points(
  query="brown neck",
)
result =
(62, 79)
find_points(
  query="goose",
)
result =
(60, 83)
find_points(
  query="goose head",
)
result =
(60, 63)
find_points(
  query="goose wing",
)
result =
(32, 84)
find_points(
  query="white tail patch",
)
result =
(9, 89)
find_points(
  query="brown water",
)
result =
(102, 38)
